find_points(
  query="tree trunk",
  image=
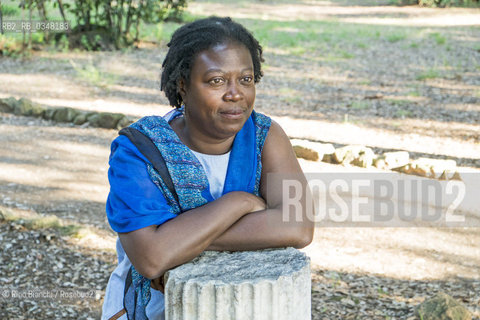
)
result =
(60, 8)
(87, 22)
(30, 21)
(43, 13)
(119, 25)
(22, 4)
(129, 17)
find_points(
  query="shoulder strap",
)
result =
(146, 146)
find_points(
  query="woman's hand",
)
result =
(258, 204)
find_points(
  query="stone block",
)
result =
(249, 285)
(311, 150)
(356, 155)
(328, 158)
(396, 159)
(49, 113)
(430, 168)
(26, 107)
(364, 158)
(80, 118)
(450, 175)
(379, 162)
(442, 307)
(345, 155)
(65, 115)
(104, 119)
(8, 104)
(305, 153)
(124, 122)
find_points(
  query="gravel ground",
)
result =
(60, 170)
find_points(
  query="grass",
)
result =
(361, 45)
(360, 105)
(439, 38)
(162, 32)
(92, 75)
(395, 37)
(38, 222)
(428, 74)
(414, 93)
(414, 45)
(290, 95)
(365, 82)
(402, 113)
(398, 102)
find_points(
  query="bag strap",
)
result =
(146, 147)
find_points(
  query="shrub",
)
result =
(118, 21)
(101, 24)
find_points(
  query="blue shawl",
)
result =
(191, 183)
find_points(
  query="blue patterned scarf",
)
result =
(191, 183)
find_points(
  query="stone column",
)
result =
(250, 285)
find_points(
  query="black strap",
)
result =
(146, 146)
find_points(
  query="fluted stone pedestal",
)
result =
(252, 285)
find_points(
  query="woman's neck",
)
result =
(197, 141)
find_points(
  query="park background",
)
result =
(377, 73)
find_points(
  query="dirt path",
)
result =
(60, 170)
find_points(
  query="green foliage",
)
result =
(414, 93)
(38, 37)
(85, 43)
(428, 74)
(398, 102)
(360, 105)
(9, 46)
(402, 113)
(395, 37)
(290, 96)
(63, 43)
(8, 10)
(97, 24)
(118, 22)
(439, 39)
(92, 75)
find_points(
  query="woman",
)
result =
(218, 152)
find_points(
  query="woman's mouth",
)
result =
(232, 114)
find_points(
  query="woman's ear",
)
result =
(181, 88)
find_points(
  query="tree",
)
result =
(115, 20)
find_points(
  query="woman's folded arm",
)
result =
(280, 225)
(154, 250)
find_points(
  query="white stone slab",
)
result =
(250, 285)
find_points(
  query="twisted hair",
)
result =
(197, 36)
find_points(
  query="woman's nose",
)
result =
(233, 93)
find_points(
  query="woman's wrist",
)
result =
(246, 202)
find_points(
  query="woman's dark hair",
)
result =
(197, 36)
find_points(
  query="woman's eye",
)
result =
(247, 79)
(216, 81)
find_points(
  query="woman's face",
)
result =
(220, 95)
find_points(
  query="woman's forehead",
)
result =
(225, 55)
